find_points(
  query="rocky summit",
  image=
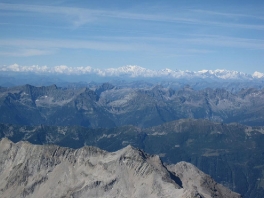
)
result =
(28, 170)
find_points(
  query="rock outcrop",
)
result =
(28, 170)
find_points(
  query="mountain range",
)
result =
(219, 129)
(108, 106)
(132, 71)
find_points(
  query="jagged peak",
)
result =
(128, 149)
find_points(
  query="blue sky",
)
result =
(185, 35)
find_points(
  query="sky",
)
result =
(185, 35)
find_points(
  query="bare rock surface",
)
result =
(28, 170)
(198, 182)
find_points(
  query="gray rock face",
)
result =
(28, 170)
(198, 182)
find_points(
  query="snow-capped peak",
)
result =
(222, 74)
(257, 74)
(203, 71)
(133, 71)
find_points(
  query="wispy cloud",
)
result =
(225, 14)
(26, 52)
(190, 44)
(197, 39)
(203, 39)
(71, 44)
(81, 16)
(235, 25)
(224, 41)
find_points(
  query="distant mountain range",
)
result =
(133, 71)
(106, 105)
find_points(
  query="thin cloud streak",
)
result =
(72, 44)
(221, 41)
(81, 16)
(195, 45)
(207, 40)
(27, 47)
(85, 15)
(229, 15)
(27, 53)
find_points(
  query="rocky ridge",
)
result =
(52, 171)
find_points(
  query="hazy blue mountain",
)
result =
(106, 105)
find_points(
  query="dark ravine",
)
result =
(52, 171)
(231, 153)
